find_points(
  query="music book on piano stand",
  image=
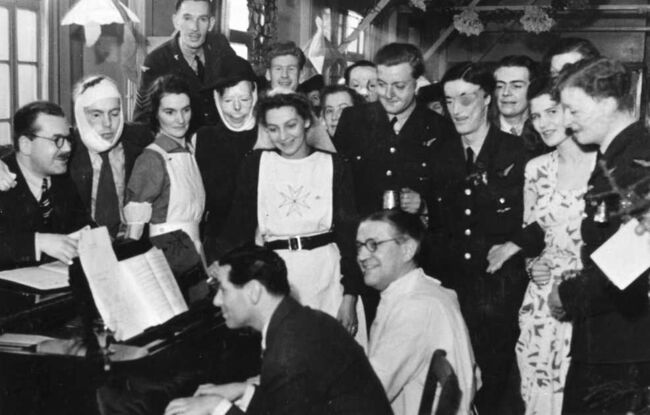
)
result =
(45, 278)
(133, 294)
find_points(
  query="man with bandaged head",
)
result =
(104, 149)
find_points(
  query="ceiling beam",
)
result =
(364, 24)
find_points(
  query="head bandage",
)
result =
(99, 88)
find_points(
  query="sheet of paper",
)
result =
(624, 256)
(165, 277)
(44, 278)
(110, 289)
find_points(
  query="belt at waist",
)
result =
(190, 228)
(298, 243)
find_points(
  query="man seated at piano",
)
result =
(43, 208)
(310, 363)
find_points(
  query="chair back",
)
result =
(440, 371)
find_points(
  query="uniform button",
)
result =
(468, 256)
(468, 192)
(468, 212)
(424, 164)
(392, 150)
(358, 157)
(468, 232)
(389, 173)
(502, 200)
(439, 199)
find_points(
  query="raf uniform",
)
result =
(611, 327)
(382, 160)
(168, 59)
(469, 212)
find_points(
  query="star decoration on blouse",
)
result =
(295, 200)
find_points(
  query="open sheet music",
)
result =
(47, 277)
(133, 294)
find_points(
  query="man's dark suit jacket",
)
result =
(20, 217)
(382, 160)
(168, 59)
(134, 138)
(311, 365)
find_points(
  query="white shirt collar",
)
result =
(507, 127)
(403, 284)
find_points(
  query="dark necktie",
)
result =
(469, 161)
(45, 205)
(514, 131)
(200, 70)
(107, 205)
(393, 123)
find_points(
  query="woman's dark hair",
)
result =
(252, 262)
(567, 45)
(335, 89)
(599, 78)
(279, 100)
(541, 86)
(406, 225)
(168, 84)
(474, 73)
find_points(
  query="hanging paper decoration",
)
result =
(420, 4)
(468, 22)
(536, 20)
(92, 14)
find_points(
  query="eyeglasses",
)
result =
(58, 140)
(372, 245)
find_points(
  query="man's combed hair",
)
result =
(25, 118)
(396, 53)
(251, 262)
(210, 4)
(283, 49)
(405, 224)
(476, 73)
(519, 61)
(567, 45)
(599, 78)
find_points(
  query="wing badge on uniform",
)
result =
(505, 172)
(429, 142)
(642, 163)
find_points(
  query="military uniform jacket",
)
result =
(610, 325)
(469, 214)
(168, 59)
(382, 160)
(20, 217)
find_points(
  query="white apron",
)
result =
(186, 196)
(294, 198)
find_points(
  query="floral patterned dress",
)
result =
(544, 343)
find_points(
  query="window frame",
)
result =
(41, 8)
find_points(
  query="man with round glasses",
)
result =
(43, 207)
(416, 315)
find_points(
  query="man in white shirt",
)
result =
(310, 363)
(416, 315)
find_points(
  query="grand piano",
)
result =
(75, 374)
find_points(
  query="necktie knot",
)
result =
(393, 124)
(45, 205)
(469, 160)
